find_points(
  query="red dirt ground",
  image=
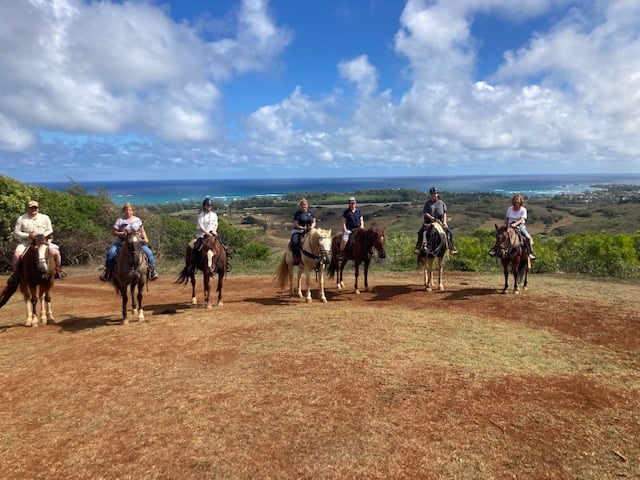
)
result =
(393, 383)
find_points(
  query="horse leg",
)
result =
(440, 286)
(307, 275)
(219, 289)
(207, 289)
(505, 271)
(356, 268)
(366, 275)
(47, 307)
(30, 302)
(321, 294)
(194, 300)
(123, 294)
(429, 274)
(298, 291)
(140, 310)
(516, 278)
(340, 281)
(43, 308)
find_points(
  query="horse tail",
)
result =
(183, 277)
(282, 274)
(10, 289)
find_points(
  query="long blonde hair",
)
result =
(517, 198)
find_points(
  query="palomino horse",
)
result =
(316, 246)
(34, 275)
(434, 246)
(362, 246)
(211, 260)
(131, 269)
(513, 251)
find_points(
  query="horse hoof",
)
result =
(125, 321)
(194, 301)
(428, 289)
(324, 300)
(209, 307)
(220, 303)
(357, 292)
(516, 292)
(308, 300)
(441, 288)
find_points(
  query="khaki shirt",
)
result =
(25, 224)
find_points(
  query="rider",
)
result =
(352, 219)
(30, 224)
(303, 221)
(516, 218)
(128, 221)
(435, 209)
(207, 226)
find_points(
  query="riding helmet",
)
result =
(207, 201)
(433, 190)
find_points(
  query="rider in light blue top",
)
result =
(128, 221)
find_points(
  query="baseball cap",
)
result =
(352, 199)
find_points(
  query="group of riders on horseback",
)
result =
(434, 212)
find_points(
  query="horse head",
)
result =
(506, 240)
(436, 244)
(378, 241)
(323, 239)
(42, 248)
(133, 242)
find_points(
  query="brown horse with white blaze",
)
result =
(362, 247)
(34, 274)
(212, 260)
(513, 251)
(131, 271)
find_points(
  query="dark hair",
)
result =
(207, 201)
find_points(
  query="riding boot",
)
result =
(153, 275)
(532, 255)
(105, 276)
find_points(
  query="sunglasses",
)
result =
(34, 208)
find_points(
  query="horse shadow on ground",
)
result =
(77, 324)
(388, 292)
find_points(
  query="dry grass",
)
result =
(394, 383)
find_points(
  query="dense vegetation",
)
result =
(596, 234)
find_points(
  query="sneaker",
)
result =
(104, 276)
(492, 253)
(60, 275)
(416, 251)
(228, 267)
(454, 251)
(532, 256)
(153, 275)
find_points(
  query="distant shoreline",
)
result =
(157, 192)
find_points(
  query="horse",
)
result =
(35, 275)
(513, 251)
(316, 246)
(211, 253)
(362, 246)
(434, 246)
(131, 270)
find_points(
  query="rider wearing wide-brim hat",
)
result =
(435, 210)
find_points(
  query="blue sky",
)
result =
(284, 88)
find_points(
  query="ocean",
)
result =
(154, 192)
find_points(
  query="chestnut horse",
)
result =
(434, 246)
(362, 246)
(316, 246)
(34, 274)
(513, 251)
(211, 260)
(131, 270)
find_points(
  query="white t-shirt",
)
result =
(514, 215)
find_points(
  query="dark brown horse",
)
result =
(363, 245)
(513, 251)
(34, 274)
(434, 246)
(131, 270)
(211, 260)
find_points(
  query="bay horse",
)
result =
(131, 271)
(211, 253)
(362, 246)
(513, 251)
(434, 246)
(316, 246)
(35, 275)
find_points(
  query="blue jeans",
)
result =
(113, 252)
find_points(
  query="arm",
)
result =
(344, 224)
(361, 221)
(143, 235)
(20, 235)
